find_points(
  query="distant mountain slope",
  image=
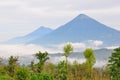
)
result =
(81, 28)
(41, 31)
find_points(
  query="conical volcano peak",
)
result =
(83, 16)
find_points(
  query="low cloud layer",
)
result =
(25, 51)
(96, 42)
(80, 46)
(21, 49)
(99, 63)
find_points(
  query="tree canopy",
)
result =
(114, 64)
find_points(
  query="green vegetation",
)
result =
(67, 50)
(63, 70)
(22, 74)
(114, 64)
(90, 61)
(12, 65)
(42, 57)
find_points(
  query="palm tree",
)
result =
(90, 60)
(90, 57)
(42, 57)
(67, 50)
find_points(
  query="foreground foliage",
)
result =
(63, 70)
(114, 64)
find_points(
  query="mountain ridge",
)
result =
(79, 29)
(41, 31)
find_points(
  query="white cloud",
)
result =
(98, 43)
(80, 46)
(61, 58)
(77, 46)
(27, 50)
(95, 43)
(112, 47)
(99, 63)
(21, 50)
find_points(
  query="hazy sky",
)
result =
(19, 17)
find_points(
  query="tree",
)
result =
(42, 57)
(90, 60)
(12, 64)
(67, 50)
(114, 64)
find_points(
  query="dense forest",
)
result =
(63, 70)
